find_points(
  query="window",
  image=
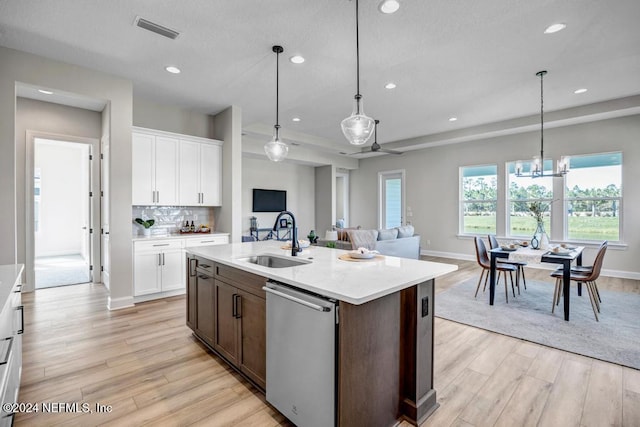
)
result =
(478, 201)
(593, 197)
(522, 192)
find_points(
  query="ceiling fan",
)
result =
(375, 147)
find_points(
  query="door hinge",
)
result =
(91, 231)
(101, 156)
(90, 156)
(101, 193)
(90, 193)
(101, 268)
(91, 268)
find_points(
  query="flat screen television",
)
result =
(269, 200)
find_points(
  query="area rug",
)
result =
(615, 338)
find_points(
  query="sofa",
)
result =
(399, 241)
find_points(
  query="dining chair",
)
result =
(588, 268)
(589, 278)
(485, 262)
(493, 243)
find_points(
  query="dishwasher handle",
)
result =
(294, 299)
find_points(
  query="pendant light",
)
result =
(358, 127)
(537, 166)
(275, 149)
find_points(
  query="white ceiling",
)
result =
(475, 60)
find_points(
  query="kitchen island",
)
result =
(384, 346)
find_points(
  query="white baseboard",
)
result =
(149, 297)
(119, 303)
(467, 257)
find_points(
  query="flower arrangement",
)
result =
(538, 209)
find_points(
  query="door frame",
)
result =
(382, 175)
(94, 207)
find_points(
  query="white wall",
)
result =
(325, 198)
(298, 181)
(432, 181)
(63, 198)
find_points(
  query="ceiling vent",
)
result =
(156, 28)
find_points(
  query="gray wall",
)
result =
(148, 114)
(298, 180)
(432, 182)
(51, 118)
(34, 70)
(325, 200)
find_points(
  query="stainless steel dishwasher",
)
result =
(301, 355)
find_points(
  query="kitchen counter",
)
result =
(177, 236)
(355, 282)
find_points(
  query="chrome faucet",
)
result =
(295, 246)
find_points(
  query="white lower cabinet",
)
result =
(159, 266)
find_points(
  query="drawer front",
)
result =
(159, 245)
(206, 241)
(249, 282)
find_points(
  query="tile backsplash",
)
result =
(169, 219)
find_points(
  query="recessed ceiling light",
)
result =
(46, 92)
(390, 85)
(554, 28)
(172, 69)
(296, 119)
(583, 90)
(297, 59)
(453, 119)
(389, 6)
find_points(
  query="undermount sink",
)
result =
(274, 261)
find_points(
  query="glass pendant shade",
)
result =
(275, 149)
(358, 127)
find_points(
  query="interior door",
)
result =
(104, 211)
(391, 204)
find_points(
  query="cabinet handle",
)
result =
(21, 330)
(159, 260)
(205, 266)
(6, 356)
(238, 303)
(163, 258)
(234, 307)
(193, 263)
(153, 195)
(158, 196)
(18, 289)
(161, 244)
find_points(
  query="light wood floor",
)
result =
(144, 362)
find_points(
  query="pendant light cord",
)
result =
(357, 54)
(542, 73)
(278, 50)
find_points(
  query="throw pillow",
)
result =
(388, 234)
(406, 231)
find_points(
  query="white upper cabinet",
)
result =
(154, 169)
(173, 169)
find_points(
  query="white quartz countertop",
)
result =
(352, 282)
(179, 236)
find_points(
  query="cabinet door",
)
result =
(166, 170)
(226, 342)
(192, 293)
(142, 171)
(146, 276)
(253, 337)
(205, 313)
(189, 173)
(211, 174)
(172, 270)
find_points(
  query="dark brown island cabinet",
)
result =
(384, 353)
(226, 310)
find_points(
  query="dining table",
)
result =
(565, 258)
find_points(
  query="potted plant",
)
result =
(146, 224)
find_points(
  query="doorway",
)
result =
(391, 199)
(62, 212)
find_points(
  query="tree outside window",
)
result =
(522, 192)
(593, 197)
(479, 195)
